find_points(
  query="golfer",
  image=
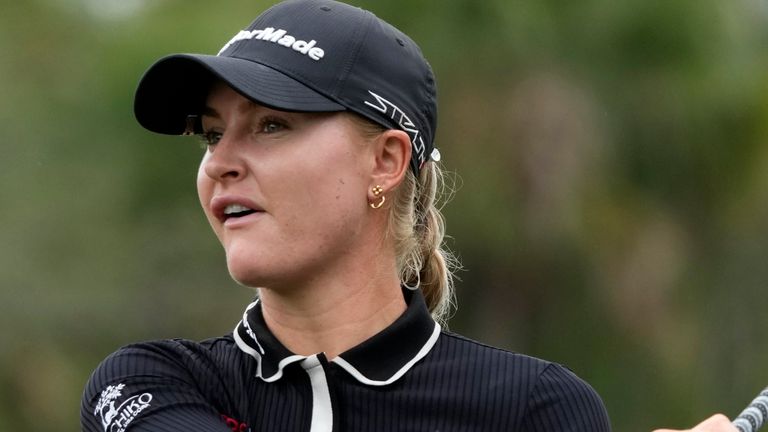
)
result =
(320, 180)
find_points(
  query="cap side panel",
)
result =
(359, 38)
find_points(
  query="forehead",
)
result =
(223, 97)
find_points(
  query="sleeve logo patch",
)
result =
(116, 419)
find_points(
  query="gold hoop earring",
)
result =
(377, 190)
(418, 283)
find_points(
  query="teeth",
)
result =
(235, 208)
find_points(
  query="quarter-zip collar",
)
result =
(380, 360)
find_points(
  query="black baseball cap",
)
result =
(304, 56)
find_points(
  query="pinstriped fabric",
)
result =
(193, 385)
(562, 402)
(460, 385)
(466, 386)
(160, 372)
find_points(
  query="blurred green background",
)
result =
(612, 213)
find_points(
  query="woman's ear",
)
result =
(392, 151)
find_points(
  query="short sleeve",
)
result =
(562, 402)
(150, 387)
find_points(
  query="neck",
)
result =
(335, 313)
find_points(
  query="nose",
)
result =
(223, 162)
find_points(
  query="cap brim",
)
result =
(177, 86)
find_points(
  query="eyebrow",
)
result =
(210, 112)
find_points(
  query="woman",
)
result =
(320, 179)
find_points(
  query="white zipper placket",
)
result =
(322, 408)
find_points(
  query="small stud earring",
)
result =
(377, 190)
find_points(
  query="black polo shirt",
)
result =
(412, 376)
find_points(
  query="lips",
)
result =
(231, 207)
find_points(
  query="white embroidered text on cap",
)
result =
(280, 37)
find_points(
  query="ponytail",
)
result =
(418, 229)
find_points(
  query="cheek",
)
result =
(204, 190)
(340, 189)
(319, 205)
(339, 205)
(200, 181)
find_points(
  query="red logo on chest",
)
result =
(235, 425)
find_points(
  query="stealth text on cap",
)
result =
(280, 37)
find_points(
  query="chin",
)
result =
(253, 270)
(243, 263)
(245, 273)
(244, 283)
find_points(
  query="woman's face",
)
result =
(285, 193)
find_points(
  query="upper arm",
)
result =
(147, 387)
(562, 402)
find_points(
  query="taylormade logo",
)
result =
(280, 37)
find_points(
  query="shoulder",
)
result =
(156, 375)
(477, 355)
(169, 357)
(540, 392)
(561, 397)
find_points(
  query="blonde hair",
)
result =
(417, 228)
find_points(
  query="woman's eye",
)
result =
(270, 126)
(210, 138)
